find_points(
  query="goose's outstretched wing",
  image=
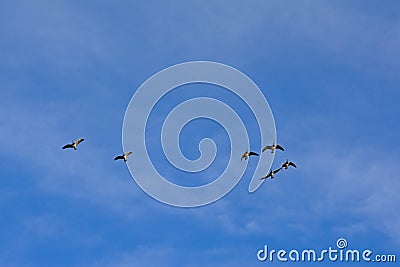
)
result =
(118, 157)
(251, 153)
(266, 176)
(279, 147)
(266, 147)
(292, 164)
(80, 140)
(68, 146)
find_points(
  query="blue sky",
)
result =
(329, 71)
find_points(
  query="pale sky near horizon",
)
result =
(328, 69)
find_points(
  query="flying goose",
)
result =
(247, 154)
(124, 156)
(287, 164)
(273, 148)
(73, 144)
(270, 174)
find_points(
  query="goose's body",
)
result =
(273, 147)
(270, 174)
(247, 154)
(287, 164)
(73, 144)
(123, 157)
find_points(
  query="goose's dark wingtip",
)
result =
(280, 148)
(119, 157)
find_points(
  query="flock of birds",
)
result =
(244, 156)
(273, 148)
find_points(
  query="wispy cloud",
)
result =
(91, 174)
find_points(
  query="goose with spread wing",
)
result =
(247, 154)
(287, 164)
(273, 148)
(270, 174)
(123, 156)
(73, 144)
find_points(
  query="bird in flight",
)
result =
(287, 164)
(73, 144)
(247, 154)
(273, 148)
(270, 174)
(124, 156)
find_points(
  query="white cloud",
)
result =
(88, 173)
